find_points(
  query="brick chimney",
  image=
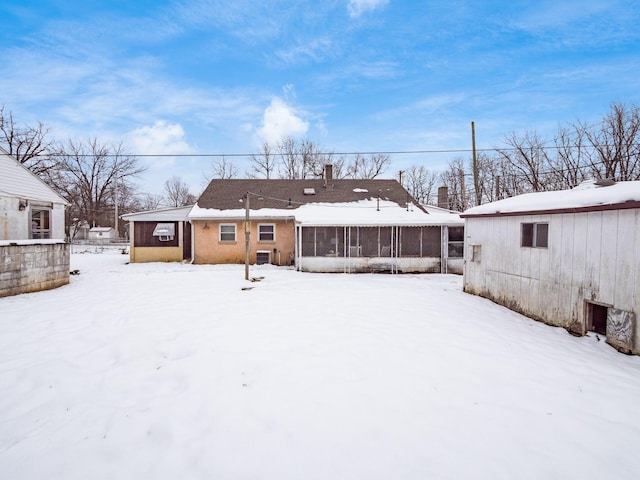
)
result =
(328, 176)
(443, 197)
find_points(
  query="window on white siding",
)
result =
(266, 232)
(535, 235)
(227, 232)
(40, 223)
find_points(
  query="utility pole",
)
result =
(247, 234)
(476, 184)
(116, 200)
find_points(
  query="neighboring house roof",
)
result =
(587, 197)
(173, 214)
(318, 202)
(227, 194)
(19, 182)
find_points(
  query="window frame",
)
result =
(221, 233)
(272, 233)
(455, 248)
(534, 234)
(40, 227)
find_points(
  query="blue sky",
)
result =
(214, 77)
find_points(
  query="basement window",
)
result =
(165, 231)
(535, 235)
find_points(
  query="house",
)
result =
(162, 235)
(29, 208)
(567, 258)
(324, 225)
(102, 234)
(33, 252)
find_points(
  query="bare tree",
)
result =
(177, 193)
(263, 165)
(150, 201)
(454, 179)
(526, 154)
(616, 144)
(90, 175)
(223, 168)
(30, 145)
(420, 183)
(368, 166)
(290, 167)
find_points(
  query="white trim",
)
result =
(235, 232)
(273, 233)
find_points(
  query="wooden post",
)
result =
(247, 234)
(476, 184)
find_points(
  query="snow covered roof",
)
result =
(370, 212)
(19, 182)
(228, 194)
(588, 196)
(174, 214)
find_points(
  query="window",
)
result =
(228, 232)
(535, 235)
(263, 257)
(456, 242)
(165, 231)
(40, 227)
(266, 232)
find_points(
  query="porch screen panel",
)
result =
(410, 241)
(342, 234)
(369, 241)
(327, 241)
(308, 241)
(431, 242)
(385, 242)
(353, 235)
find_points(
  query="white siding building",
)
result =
(568, 258)
(29, 208)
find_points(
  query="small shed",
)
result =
(568, 258)
(104, 234)
(162, 235)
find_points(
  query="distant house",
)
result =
(324, 225)
(568, 258)
(33, 252)
(162, 235)
(102, 233)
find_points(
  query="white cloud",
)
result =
(280, 121)
(358, 7)
(161, 138)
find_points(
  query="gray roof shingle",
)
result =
(225, 194)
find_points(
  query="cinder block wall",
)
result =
(33, 267)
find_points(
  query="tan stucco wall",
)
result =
(155, 254)
(208, 248)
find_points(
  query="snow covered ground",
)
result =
(172, 371)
